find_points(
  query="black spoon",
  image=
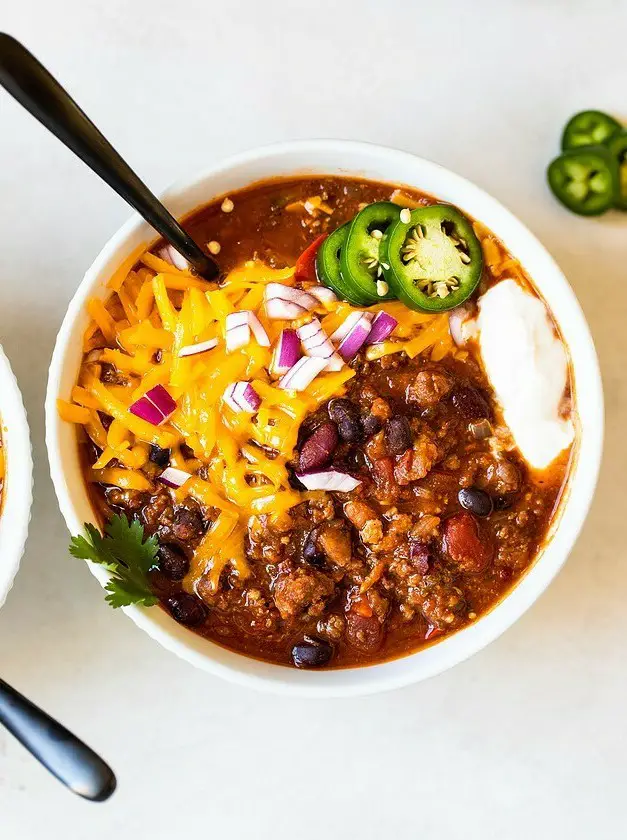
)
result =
(31, 84)
(67, 758)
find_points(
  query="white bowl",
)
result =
(335, 157)
(17, 491)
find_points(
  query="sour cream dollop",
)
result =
(528, 369)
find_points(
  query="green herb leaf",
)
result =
(125, 553)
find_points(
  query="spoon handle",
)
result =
(31, 84)
(62, 753)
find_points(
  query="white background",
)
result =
(528, 739)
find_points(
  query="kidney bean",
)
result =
(420, 556)
(476, 501)
(172, 562)
(397, 435)
(471, 403)
(319, 447)
(466, 546)
(311, 653)
(187, 609)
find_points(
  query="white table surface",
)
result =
(527, 739)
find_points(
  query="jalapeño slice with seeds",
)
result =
(589, 128)
(434, 260)
(585, 180)
(328, 265)
(618, 148)
(360, 261)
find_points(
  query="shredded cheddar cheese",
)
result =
(154, 311)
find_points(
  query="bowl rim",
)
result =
(17, 491)
(432, 660)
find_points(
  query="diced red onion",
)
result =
(323, 294)
(287, 303)
(237, 330)
(144, 409)
(383, 325)
(201, 347)
(156, 406)
(481, 430)
(328, 480)
(315, 340)
(352, 343)
(461, 325)
(346, 326)
(173, 477)
(172, 256)
(336, 362)
(283, 310)
(286, 352)
(241, 396)
(261, 336)
(348, 323)
(300, 375)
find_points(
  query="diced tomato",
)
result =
(306, 263)
(382, 471)
(364, 633)
(464, 543)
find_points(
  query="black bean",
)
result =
(397, 434)
(350, 430)
(187, 609)
(188, 525)
(471, 403)
(504, 502)
(342, 409)
(311, 653)
(370, 425)
(158, 456)
(476, 501)
(311, 552)
(293, 480)
(356, 460)
(172, 562)
(105, 419)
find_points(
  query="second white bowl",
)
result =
(17, 491)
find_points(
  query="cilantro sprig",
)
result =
(123, 551)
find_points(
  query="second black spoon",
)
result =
(67, 757)
(31, 84)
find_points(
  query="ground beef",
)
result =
(429, 387)
(299, 591)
